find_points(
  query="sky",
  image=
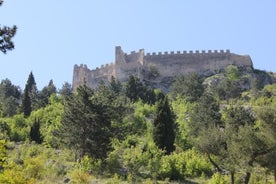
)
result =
(54, 35)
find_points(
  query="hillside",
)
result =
(216, 128)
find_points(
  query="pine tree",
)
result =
(164, 126)
(6, 34)
(86, 123)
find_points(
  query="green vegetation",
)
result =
(6, 34)
(200, 132)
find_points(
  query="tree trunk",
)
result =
(247, 178)
(232, 177)
(215, 165)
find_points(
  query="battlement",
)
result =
(105, 66)
(189, 53)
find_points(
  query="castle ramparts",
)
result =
(165, 65)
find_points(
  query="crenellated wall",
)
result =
(168, 64)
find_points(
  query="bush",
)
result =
(185, 164)
(79, 176)
(217, 178)
(135, 157)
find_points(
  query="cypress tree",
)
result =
(26, 104)
(164, 126)
(29, 96)
(35, 134)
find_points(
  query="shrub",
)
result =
(217, 178)
(80, 177)
(184, 164)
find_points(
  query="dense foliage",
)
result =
(201, 131)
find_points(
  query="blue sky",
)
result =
(53, 35)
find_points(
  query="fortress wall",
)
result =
(242, 61)
(135, 57)
(123, 71)
(171, 64)
(128, 64)
(104, 70)
(82, 75)
(104, 73)
(121, 57)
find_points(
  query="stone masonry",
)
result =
(157, 67)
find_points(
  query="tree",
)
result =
(66, 89)
(204, 127)
(188, 86)
(232, 72)
(46, 92)
(10, 96)
(164, 126)
(134, 88)
(115, 85)
(86, 123)
(267, 120)
(204, 114)
(26, 104)
(35, 134)
(227, 89)
(30, 96)
(6, 34)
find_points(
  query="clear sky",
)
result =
(53, 35)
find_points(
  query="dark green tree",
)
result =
(115, 85)
(164, 126)
(86, 123)
(45, 93)
(204, 114)
(134, 88)
(66, 89)
(6, 34)
(188, 86)
(30, 96)
(35, 134)
(10, 96)
(26, 104)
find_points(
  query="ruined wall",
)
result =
(128, 64)
(82, 75)
(168, 64)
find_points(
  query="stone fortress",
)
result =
(157, 68)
